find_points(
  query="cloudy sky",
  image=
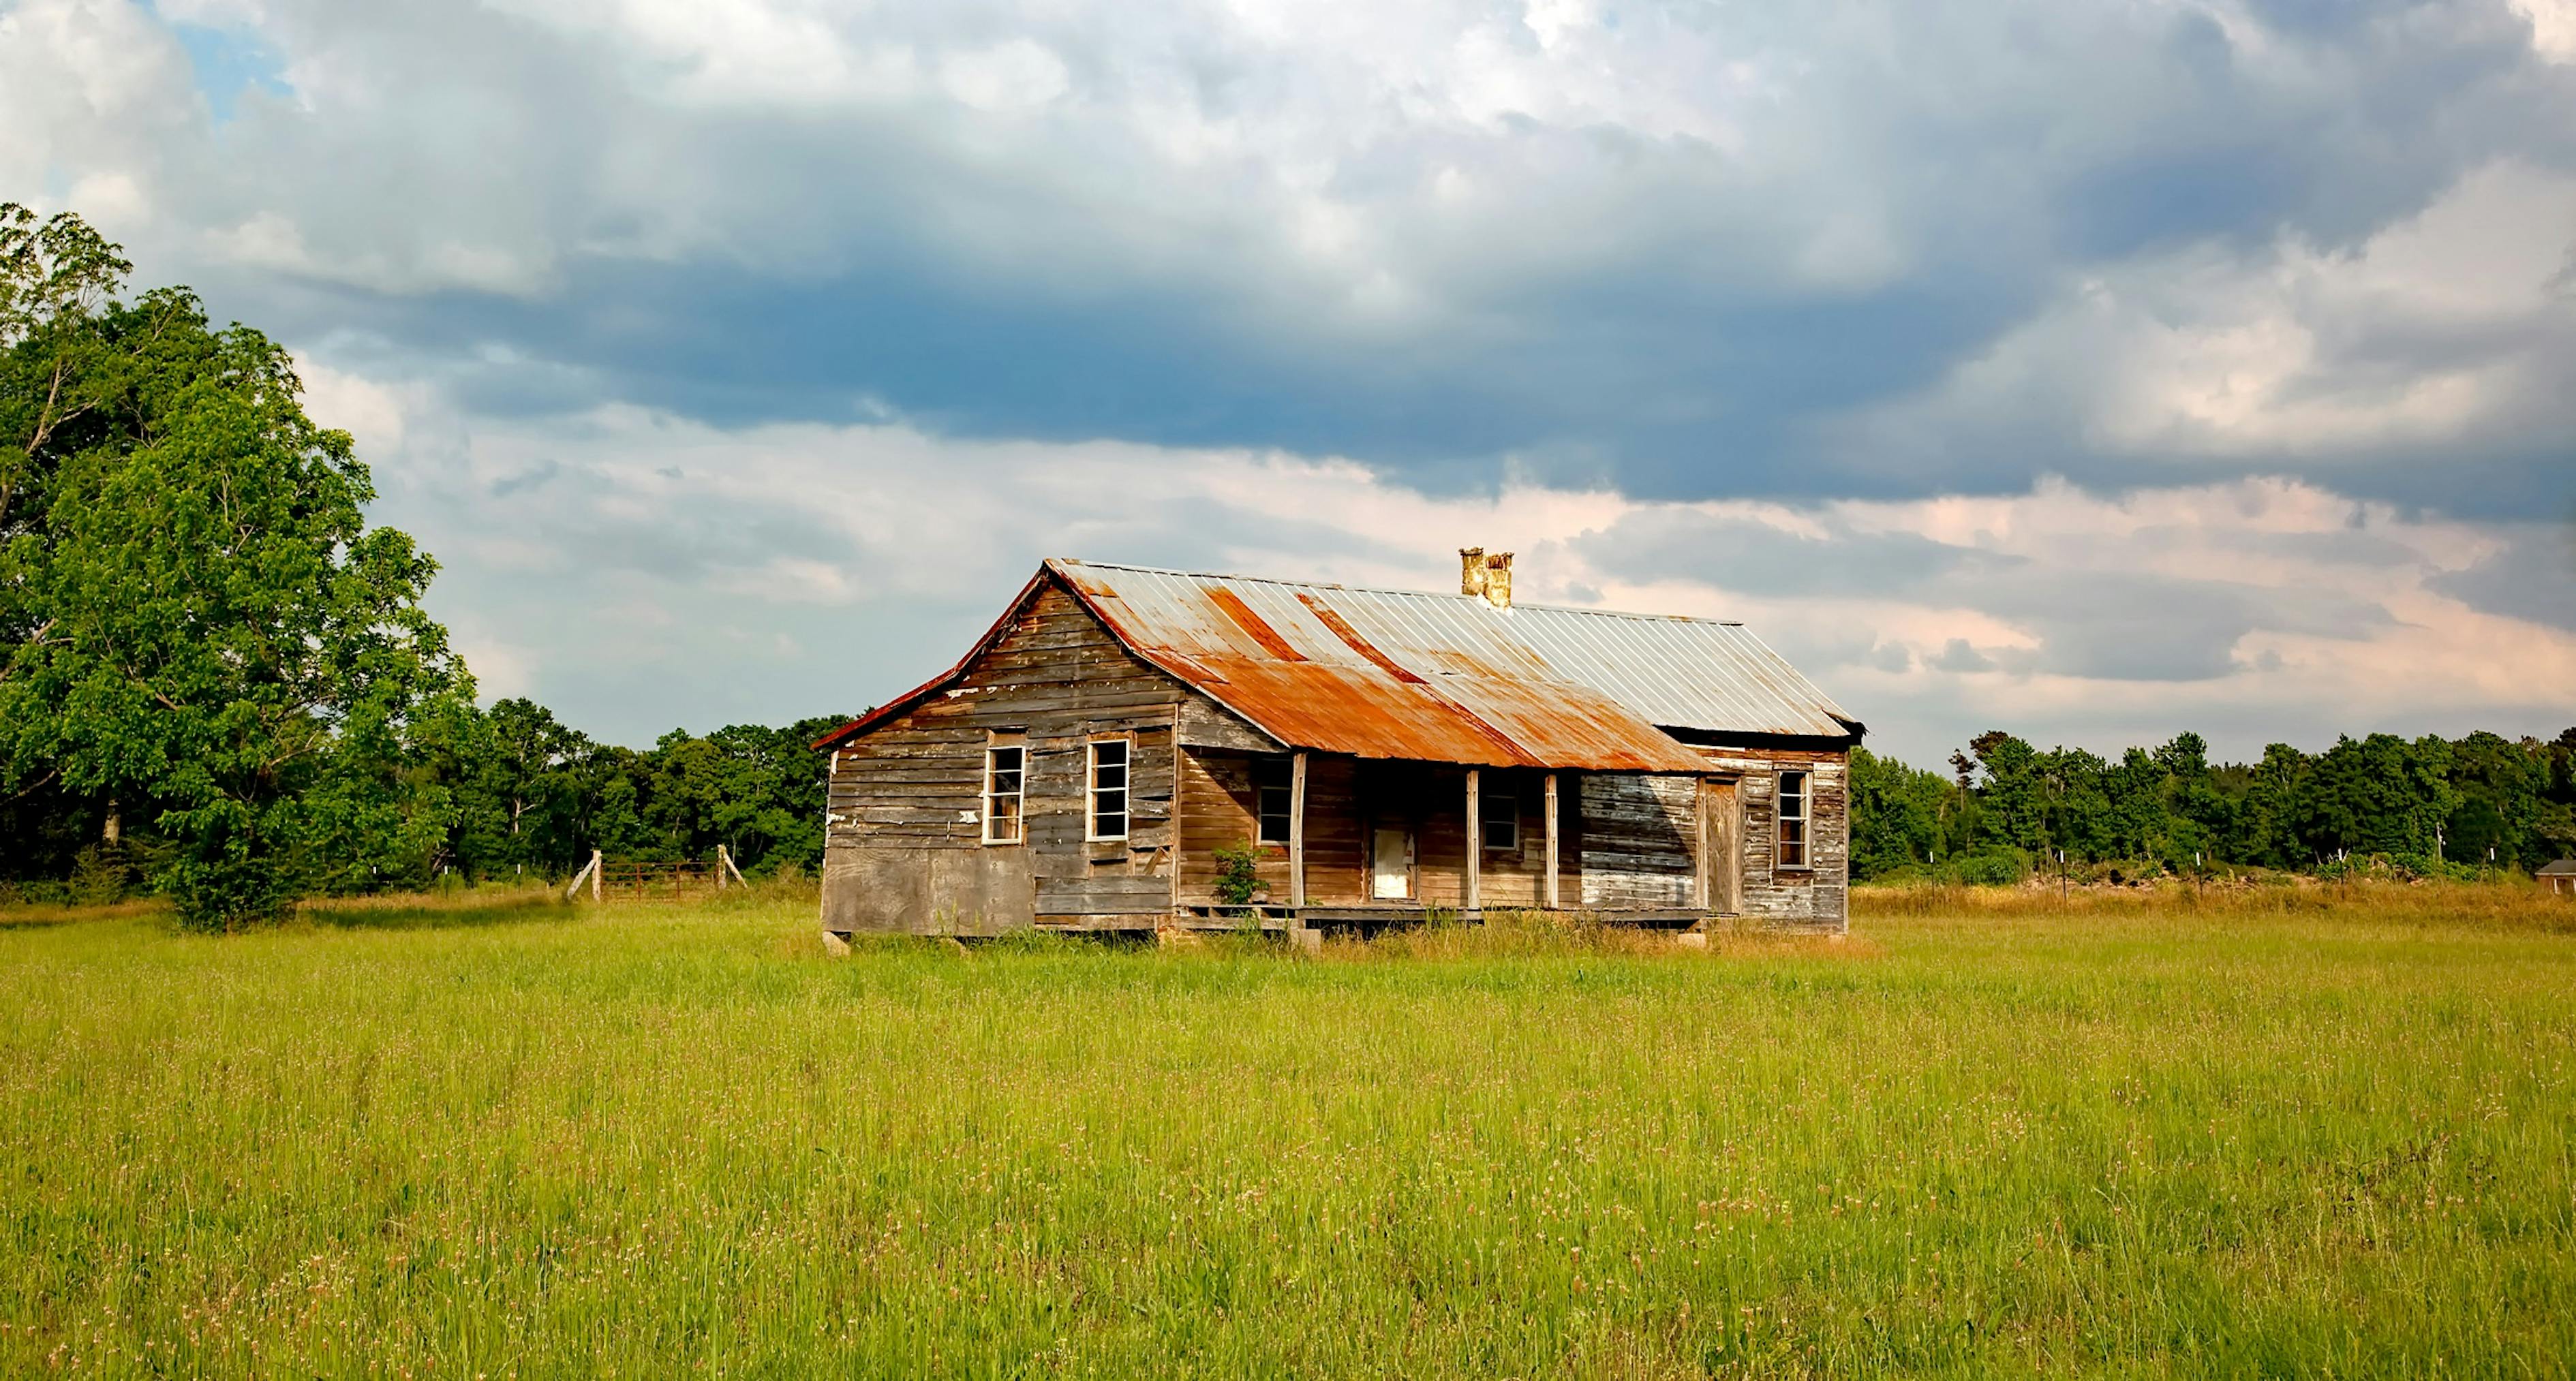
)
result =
(2092, 368)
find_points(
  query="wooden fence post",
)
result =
(581, 877)
(596, 868)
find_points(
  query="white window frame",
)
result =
(1092, 790)
(1490, 797)
(1264, 789)
(1803, 818)
(1018, 795)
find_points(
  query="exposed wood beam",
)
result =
(1699, 847)
(1475, 841)
(1553, 900)
(1297, 829)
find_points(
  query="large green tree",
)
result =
(196, 613)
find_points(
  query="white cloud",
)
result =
(2553, 27)
(2456, 325)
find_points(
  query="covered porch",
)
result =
(1343, 842)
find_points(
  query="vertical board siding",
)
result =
(1816, 897)
(1431, 800)
(1219, 810)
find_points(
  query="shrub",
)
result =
(1238, 873)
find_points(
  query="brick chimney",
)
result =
(1486, 573)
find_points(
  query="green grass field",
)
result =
(2279, 1136)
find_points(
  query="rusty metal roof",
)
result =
(1435, 677)
(1450, 678)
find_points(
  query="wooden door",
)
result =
(1391, 869)
(1721, 866)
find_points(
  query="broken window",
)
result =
(1004, 768)
(1498, 815)
(1109, 789)
(1275, 801)
(1793, 820)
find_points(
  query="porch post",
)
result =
(1475, 842)
(1699, 845)
(1297, 829)
(1553, 902)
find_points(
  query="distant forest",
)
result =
(513, 794)
(2426, 807)
(486, 795)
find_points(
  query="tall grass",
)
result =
(479, 1136)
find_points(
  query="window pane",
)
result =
(1499, 817)
(1002, 795)
(1109, 789)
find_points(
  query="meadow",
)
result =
(2265, 1133)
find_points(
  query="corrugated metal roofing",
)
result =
(1435, 677)
(1450, 678)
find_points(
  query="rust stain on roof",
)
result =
(1342, 629)
(1248, 621)
(1301, 670)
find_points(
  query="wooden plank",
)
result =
(1201, 723)
(1475, 841)
(1555, 898)
(1297, 829)
(1700, 869)
(1093, 896)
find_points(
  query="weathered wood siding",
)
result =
(1431, 800)
(1219, 810)
(1818, 896)
(904, 846)
(1641, 834)
(1640, 840)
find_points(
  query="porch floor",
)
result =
(1368, 915)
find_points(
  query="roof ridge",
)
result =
(1383, 590)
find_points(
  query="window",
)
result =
(1004, 767)
(1793, 820)
(1274, 801)
(1498, 814)
(1109, 789)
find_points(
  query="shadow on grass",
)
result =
(416, 912)
(36, 915)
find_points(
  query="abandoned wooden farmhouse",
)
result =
(1382, 753)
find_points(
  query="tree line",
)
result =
(2427, 806)
(500, 794)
